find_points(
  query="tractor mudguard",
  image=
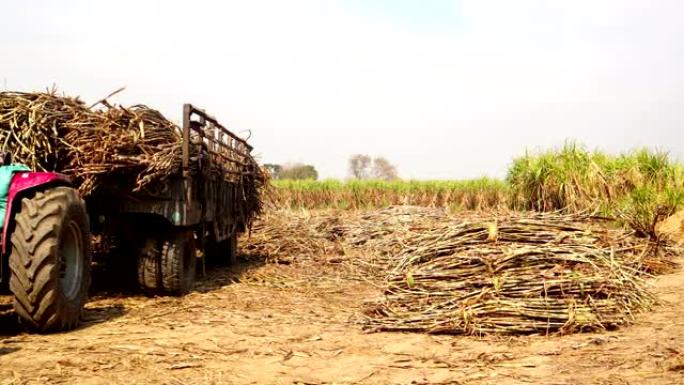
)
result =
(23, 182)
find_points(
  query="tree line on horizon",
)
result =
(360, 167)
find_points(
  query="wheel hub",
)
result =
(71, 261)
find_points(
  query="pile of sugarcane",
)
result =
(100, 148)
(137, 141)
(538, 274)
(476, 273)
(511, 290)
(283, 235)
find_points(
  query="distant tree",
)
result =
(359, 166)
(274, 170)
(383, 169)
(298, 171)
(363, 167)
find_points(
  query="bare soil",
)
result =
(262, 323)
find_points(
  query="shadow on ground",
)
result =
(112, 282)
(9, 322)
(10, 325)
(218, 276)
(94, 315)
(116, 280)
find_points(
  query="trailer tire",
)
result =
(232, 249)
(148, 267)
(178, 264)
(50, 260)
(223, 253)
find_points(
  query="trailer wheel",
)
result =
(178, 264)
(50, 260)
(223, 253)
(231, 245)
(148, 266)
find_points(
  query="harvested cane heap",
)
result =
(111, 147)
(519, 274)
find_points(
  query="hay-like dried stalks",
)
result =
(542, 274)
(110, 147)
(506, 273)
(511, 290)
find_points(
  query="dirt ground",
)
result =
(262, 323)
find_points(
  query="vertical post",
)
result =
(187, 183)
(187, 110)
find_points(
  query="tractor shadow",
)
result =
(119, 281)
(218, 276)
(111, 286)
(9, 322)
(114, 280)
(98, 314)
(92, 315)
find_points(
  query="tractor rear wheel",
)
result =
(50, 260)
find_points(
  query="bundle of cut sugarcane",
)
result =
(509, 273)
(517, 275)
(138, 141)
(510, 290)
(286, 236)
(33, 126)
(109, 147)
(387, 235)
(53, 133)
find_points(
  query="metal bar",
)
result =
(236, 161)
(197, 127)
(197, 111)
(187, 110)
(225, 147)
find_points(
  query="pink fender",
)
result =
(22, 182)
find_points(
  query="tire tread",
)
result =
(34, 259)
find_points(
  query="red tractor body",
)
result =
(46, 250)
(24, 183)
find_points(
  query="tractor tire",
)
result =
(178, 264)
(50, 260)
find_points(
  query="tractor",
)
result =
(46, 247)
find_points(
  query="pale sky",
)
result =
(442, 88)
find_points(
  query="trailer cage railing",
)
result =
(226, 147)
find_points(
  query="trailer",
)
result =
(176, 224)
